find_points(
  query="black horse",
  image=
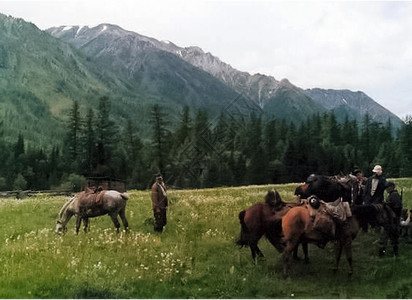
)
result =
(327, 188)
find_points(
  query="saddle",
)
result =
(91, 197)
(325, 216)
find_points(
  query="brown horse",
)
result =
(298, 226)
(264, 218)
(89, 204)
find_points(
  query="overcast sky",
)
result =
(353, 45)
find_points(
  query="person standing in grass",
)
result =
(394, 201)
(359, 187)
(375, 187)
(159, 203)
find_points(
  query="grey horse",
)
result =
(89, 204)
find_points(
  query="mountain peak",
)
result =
(286, 83)
(263, 90)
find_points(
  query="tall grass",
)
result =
(195, 257)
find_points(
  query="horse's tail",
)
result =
(242, 241)
(125, 196)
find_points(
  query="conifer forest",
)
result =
(194, 150)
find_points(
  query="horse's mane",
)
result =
(66, 205)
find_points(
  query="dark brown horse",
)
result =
(327, 188)
(89, 204)
(264, 219)
(298, 226)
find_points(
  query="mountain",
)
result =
(268, 92)
(39, 78)
(141, 67)
(144, 61)
(163, 67)
(353, 104)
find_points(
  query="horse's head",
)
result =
(67, 211)
(302, 191)
(60, 227)
(270, 196)
(273, 199)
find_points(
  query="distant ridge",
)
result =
(43, 72)
(278, 99)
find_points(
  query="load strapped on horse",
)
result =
(326, 216)
(323, 213)
(93, 203)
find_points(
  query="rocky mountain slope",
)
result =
(139, 65)
(279, 99)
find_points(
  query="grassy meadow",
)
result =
(195, 256)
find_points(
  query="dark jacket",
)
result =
(394, 201)
(378, 197)
(358, 191)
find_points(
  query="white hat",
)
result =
(377, 168)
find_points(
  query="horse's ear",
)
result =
(277, 195)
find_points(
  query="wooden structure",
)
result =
(107, 183)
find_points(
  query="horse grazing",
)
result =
(263, 218)
(327, 188)
(298, 226)
(89, 204)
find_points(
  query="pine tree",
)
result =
(74, 131)
(184, 130)
(19, 147)
(88, 143)
(159, 138)
(135, 171)
(106, 138)
(405, 142)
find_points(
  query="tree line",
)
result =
(199, 151)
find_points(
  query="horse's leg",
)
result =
(305, 251)
(78, 222)
(276, 241)
(295, 253)
(287, 255)
(348, 251)
(122, 214)
(393, 234)
(86, 224)
(115, 221)
(254, 249)
(338, 254)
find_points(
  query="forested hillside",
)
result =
(204, 152)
